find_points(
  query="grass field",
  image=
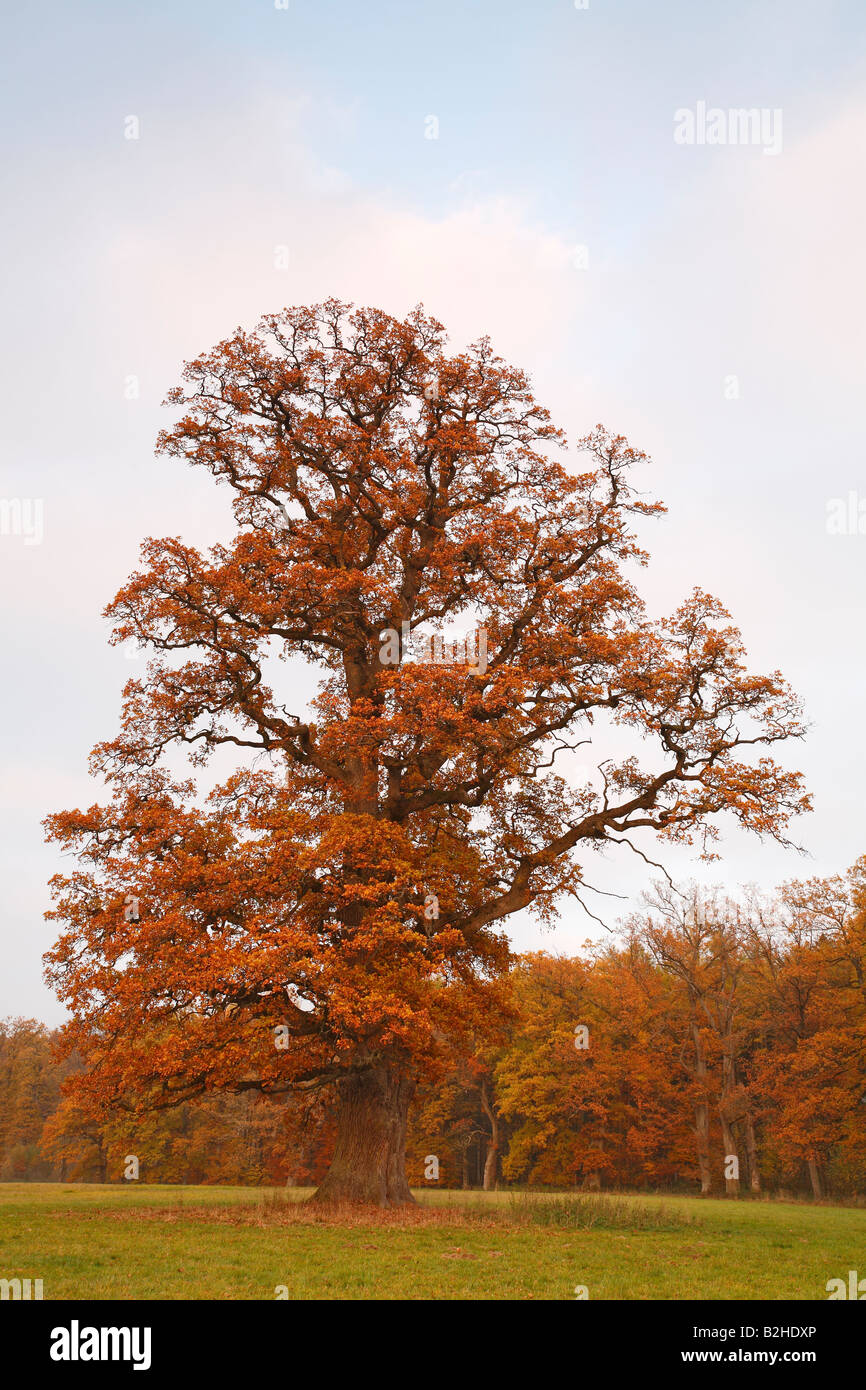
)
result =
(90, 1241)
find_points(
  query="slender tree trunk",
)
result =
(702, 1116)
(369, 1163)
(732, 1185)
(490, 1166)
(492, 1160)
(726, 1111)
(752, 1153)
(815, 1180)
(466, 1183)
(702, 1138)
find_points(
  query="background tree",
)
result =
(380, 487)
(810, 951)
(75, 1137)
(30, 1083)
(604, 1107)
(448, 1120)
(702, 940)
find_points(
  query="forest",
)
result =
(710, 1028)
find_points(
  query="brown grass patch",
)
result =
(278, 1211)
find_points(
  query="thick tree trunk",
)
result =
(369, 1163)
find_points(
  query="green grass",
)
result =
(90, 1241)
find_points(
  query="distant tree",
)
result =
(455, 1117)
(74, 1136)
(30, 1081)
(591, 1082)
(703, 941)
(810, 955)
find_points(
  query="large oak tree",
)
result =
(281, 941)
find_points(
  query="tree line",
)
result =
(715, 1044)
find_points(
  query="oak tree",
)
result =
(330, 913)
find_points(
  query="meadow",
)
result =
(88, 1241)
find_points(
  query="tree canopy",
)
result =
(331, 913)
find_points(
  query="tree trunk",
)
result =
(732, 1185)
(702, 1135)
(490, 1166)
(752, 1153)
(727, 1106)
(702, 1115)
(815, 1180)
(491, 1162)
(369, 1163)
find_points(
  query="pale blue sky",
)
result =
(306, 128)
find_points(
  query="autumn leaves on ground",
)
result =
(304, 897)
(239, 1243)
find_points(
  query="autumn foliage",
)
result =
(267, 932)
(712, 1027)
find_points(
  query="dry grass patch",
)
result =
(521, 1210)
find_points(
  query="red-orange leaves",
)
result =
(366, 501)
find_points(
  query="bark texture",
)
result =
(369, 1163)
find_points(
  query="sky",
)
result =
(173, 171)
